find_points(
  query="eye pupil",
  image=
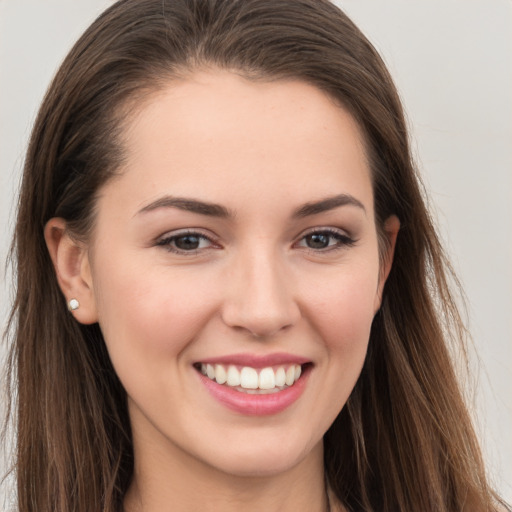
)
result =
(187, 242)
(317, 241)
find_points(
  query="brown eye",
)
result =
(325, 240)
(185, 243)
(318, 240)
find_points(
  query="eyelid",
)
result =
(344, 238)
(165, 240)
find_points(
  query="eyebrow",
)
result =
(217, 210)
(329, 203)
(188, 205)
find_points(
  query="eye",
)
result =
(325, 240)
(187, 242)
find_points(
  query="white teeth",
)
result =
(249, 378)
(280, 377)
(220, 374)
(268, 379)
(233, 377)
(290, 376)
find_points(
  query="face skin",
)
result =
(258, 283)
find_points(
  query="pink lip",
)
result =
(256, 405)
(256, 361)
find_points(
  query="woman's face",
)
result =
(238, 241)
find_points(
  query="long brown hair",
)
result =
(404, 440)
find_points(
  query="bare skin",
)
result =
(271, 248)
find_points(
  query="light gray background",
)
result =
(452, 61)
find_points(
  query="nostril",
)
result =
(261, 327)
(262, 306)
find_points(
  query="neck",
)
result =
(172, 481)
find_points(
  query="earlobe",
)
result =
(391, 229)
(71, 262)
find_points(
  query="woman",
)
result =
(230, 292)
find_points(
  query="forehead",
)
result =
(219, 134)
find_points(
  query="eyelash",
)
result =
(168, 242)
(342, 241)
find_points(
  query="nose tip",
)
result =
(261, 327)
(260, 301)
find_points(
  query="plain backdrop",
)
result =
(452, 61)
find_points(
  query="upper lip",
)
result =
(256, 360)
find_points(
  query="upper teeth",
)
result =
(249, 378)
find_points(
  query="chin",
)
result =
(257, 460)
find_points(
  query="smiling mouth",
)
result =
(246, 379)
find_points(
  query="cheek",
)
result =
(343, 309)
(341, 313)
(151, 313)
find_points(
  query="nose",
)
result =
(259, 297)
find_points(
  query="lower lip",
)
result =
(256, 405)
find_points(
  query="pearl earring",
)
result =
(73, 304)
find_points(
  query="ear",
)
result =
(71, 262)
(391, 229)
